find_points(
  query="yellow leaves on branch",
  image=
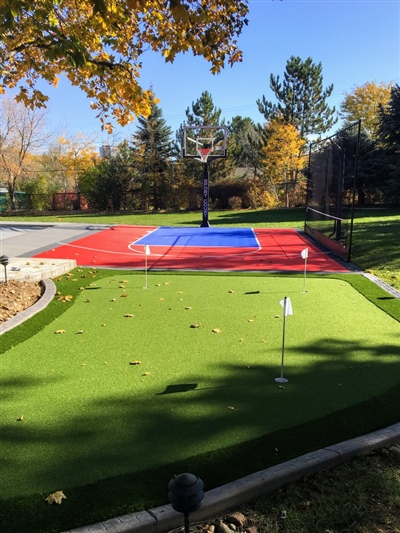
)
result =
(98, 45)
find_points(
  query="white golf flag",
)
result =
(287, 309)
(147, 249)
(304, 253)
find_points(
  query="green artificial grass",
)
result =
(100, 428)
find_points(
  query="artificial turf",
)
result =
(197, 397)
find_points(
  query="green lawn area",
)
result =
(200, 400)
(111, 434)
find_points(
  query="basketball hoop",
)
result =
(203, 153)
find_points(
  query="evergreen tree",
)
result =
(202, 113)
(301, 98)
(245, 144)
(153, 146)
(109, 183)
(389, 137)
(389, 115)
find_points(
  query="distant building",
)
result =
(107, 151)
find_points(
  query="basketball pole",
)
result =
(206, 196)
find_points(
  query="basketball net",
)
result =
(203, 153)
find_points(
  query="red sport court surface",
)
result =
(212, 249)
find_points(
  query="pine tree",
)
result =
(203, 113)
(153, 145)
(389, 129)
(301, 98)
(389, 137)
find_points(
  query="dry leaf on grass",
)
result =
(134, 362)
(195, 326)
(216, 330)
(128, 315)
(56, 497)
(59, 331)
(20, 418)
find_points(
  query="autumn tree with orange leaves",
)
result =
(99, 46)
(283, 160)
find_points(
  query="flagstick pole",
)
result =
(305, 272)
(145, 267)
(281, 379)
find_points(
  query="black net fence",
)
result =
(331, 181)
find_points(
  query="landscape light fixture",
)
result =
(4, 262)
(185, 492)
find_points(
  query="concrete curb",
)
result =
(49, 290)
(220, 500)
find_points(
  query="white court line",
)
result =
(142, 252)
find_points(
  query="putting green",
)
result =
(89, 414)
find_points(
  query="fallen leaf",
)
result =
(167, 283)
(250, 320)
(124, 281)
(231, 292)
(146, 374)
(216, 330)
(162, 299)
(128, 315)
(187, 308)
(20, 418)
(87, 300)
(124, 295)
(79, 332)
(195, 325)
(59, 331)
(56, 497)
(233, 408)
(134, 362)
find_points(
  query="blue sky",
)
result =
(355, 40)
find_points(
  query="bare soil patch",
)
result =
(16, 296)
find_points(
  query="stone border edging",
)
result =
(49, 290)
(222, 499)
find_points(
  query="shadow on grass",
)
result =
(119, 453)
(382, 238)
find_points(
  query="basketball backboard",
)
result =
(204, 143)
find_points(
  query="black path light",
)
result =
(185, 492)
(4, 262)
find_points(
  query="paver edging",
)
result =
(49, 290)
